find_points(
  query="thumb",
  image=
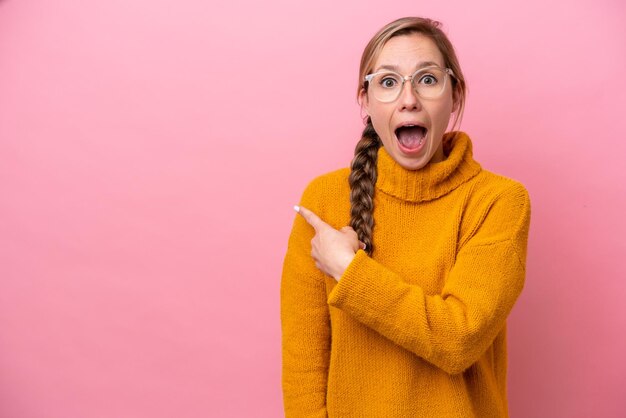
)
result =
(348, 228)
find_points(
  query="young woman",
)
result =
(403, 312)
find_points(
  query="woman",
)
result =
(403, 312)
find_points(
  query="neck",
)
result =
(435, 179)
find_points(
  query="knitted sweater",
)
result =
(419, 328)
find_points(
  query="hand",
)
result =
(332, 249)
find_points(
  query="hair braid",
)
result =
(362, 180)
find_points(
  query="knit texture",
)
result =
(419, 328)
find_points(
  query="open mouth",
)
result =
(411, 136)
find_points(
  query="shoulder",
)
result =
(497, 205)
(333, 183)
(489, 187)
(328, 195)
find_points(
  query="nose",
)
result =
(408, 97)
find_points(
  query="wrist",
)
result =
(343, 265)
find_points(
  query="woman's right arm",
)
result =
(305, 323)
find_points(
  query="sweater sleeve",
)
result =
(305, 322)
(451, 330)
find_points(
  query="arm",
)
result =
(305, 325)
(453, 329)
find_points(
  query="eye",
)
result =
(428, 79)
(388, 81)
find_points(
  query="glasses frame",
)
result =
(447, 72)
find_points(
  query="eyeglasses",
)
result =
(428, 83)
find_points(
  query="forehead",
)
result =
(408, 52)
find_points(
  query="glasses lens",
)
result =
(429, 82)
(386, 86)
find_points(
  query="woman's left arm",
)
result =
(454, 328)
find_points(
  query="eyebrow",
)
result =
(396, 68)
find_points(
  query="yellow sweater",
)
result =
(419, 328)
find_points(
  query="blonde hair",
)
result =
(363, 168)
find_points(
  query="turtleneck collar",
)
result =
(434, 179)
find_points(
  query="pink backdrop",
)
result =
(151, 152)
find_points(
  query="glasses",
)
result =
(428, 83)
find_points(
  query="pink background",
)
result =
(151, 152)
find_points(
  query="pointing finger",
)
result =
(310, 217)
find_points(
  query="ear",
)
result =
(456, 100)
(363, 102)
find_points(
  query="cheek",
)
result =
(380, 119)
(381, 127)
(441, 114)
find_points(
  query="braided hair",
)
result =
(362, 180)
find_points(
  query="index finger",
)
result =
(315, 221)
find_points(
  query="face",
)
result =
(407, 53)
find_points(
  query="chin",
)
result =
(413, 163)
